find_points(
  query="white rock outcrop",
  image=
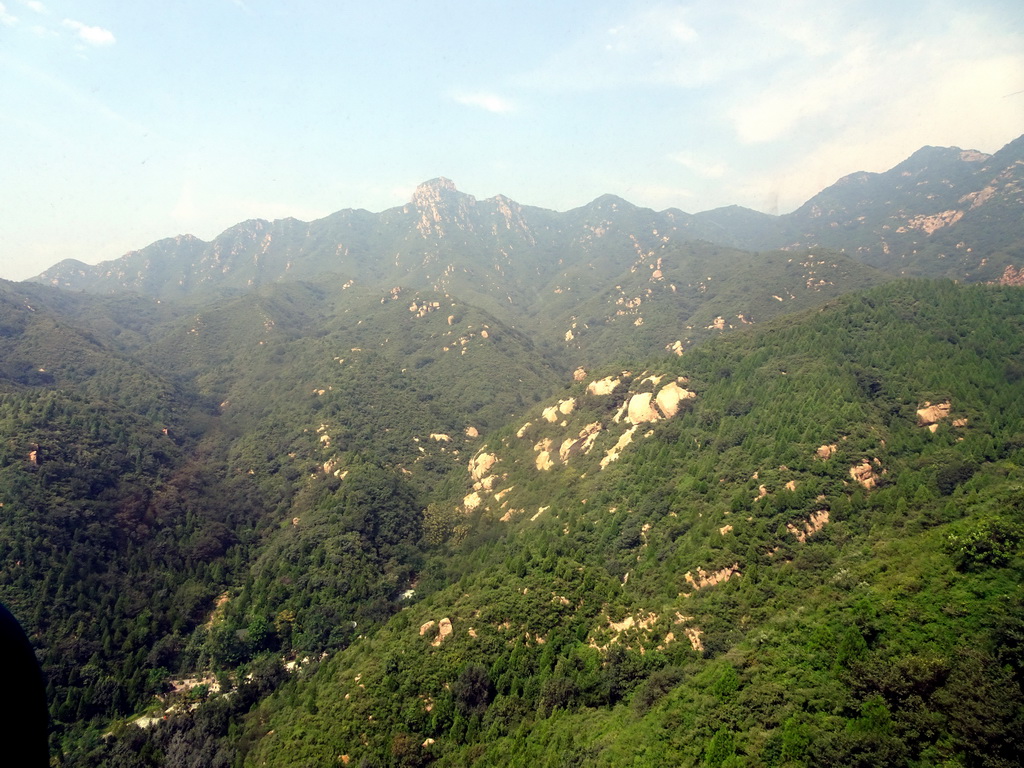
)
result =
(640, 410)
(705, 579)
(444, 631)
(603, 386)
(930, 415)
(669, 398)
(811, 526)
(864, 474)
(481, 464)
(613, 454)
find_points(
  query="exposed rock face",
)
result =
(645, 407)
(444, 631)
(544, 462)
(640, 410)
(565, 448)
(564, 408)
(485, 483)
(629, 624)
(439, 203)
(581, 444)
(810, 526)
(930, 415)
(553, 443)
(1012, 276)
(579, 374)
(669, 398)
(825, 452)
(603, 386)
(543, 449)
(693, 635)
(613, 454)
(705, 579)
(929, 224)
(864, 474)
(481, 464)
(423, 308)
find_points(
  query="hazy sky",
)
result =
(125, 122)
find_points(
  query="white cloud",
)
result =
(964, 104)
(878, 98)
(799, 94)
(7, 19)
(36, 6)
(688, 45)
(701, 167)
(486, 101)
(97, 36)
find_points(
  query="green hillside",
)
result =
(785, 564)
(322, 523)
(792, 570)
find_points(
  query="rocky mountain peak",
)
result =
(432, 190)
(933, 160)
(438, 202)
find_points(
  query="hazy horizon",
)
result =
(126, 125)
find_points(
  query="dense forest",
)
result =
(728, 593)
(243, 535)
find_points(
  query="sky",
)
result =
(123, 123)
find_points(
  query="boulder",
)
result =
(603, 386)
(932, 414)
(669, 398)
(481, 464)
(864, 474)
(640, 410)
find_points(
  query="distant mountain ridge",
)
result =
(943, 211)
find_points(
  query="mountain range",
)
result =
(933, 214)
(469, 482)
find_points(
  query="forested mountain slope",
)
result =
(808, 553)
(816, 560)
(498, 485)
(150, 453)
(942, 211)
